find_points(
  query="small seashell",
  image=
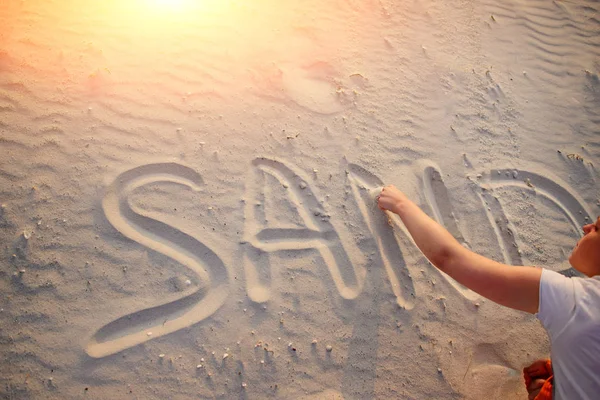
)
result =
(149, 333)
(329, 348)
(161, 356)
(198, 366)
(314, 342)
(225, 355)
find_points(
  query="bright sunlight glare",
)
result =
(164, 17)
(166, 5)
(166, 8)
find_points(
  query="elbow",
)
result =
(443, 258)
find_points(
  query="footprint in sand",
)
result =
(141, 326)
(488, 364)
(313, 87)
(318, 233)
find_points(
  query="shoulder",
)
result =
(557, 300)
(564, 299)
(587, 295)
(553, 283)
(592, 283)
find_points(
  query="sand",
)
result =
(188, 189)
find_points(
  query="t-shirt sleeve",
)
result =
(557, 301)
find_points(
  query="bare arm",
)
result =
(514, 287)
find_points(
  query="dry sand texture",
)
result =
(188, 189)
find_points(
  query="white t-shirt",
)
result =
(570, 312)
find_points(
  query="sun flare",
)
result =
(166, 5)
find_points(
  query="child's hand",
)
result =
(538, 369)
(390, 198)
(534, 388)
(536, 376)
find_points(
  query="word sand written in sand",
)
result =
(319, 233)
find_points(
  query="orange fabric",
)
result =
(540, 370)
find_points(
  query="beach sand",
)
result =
(188, 192)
